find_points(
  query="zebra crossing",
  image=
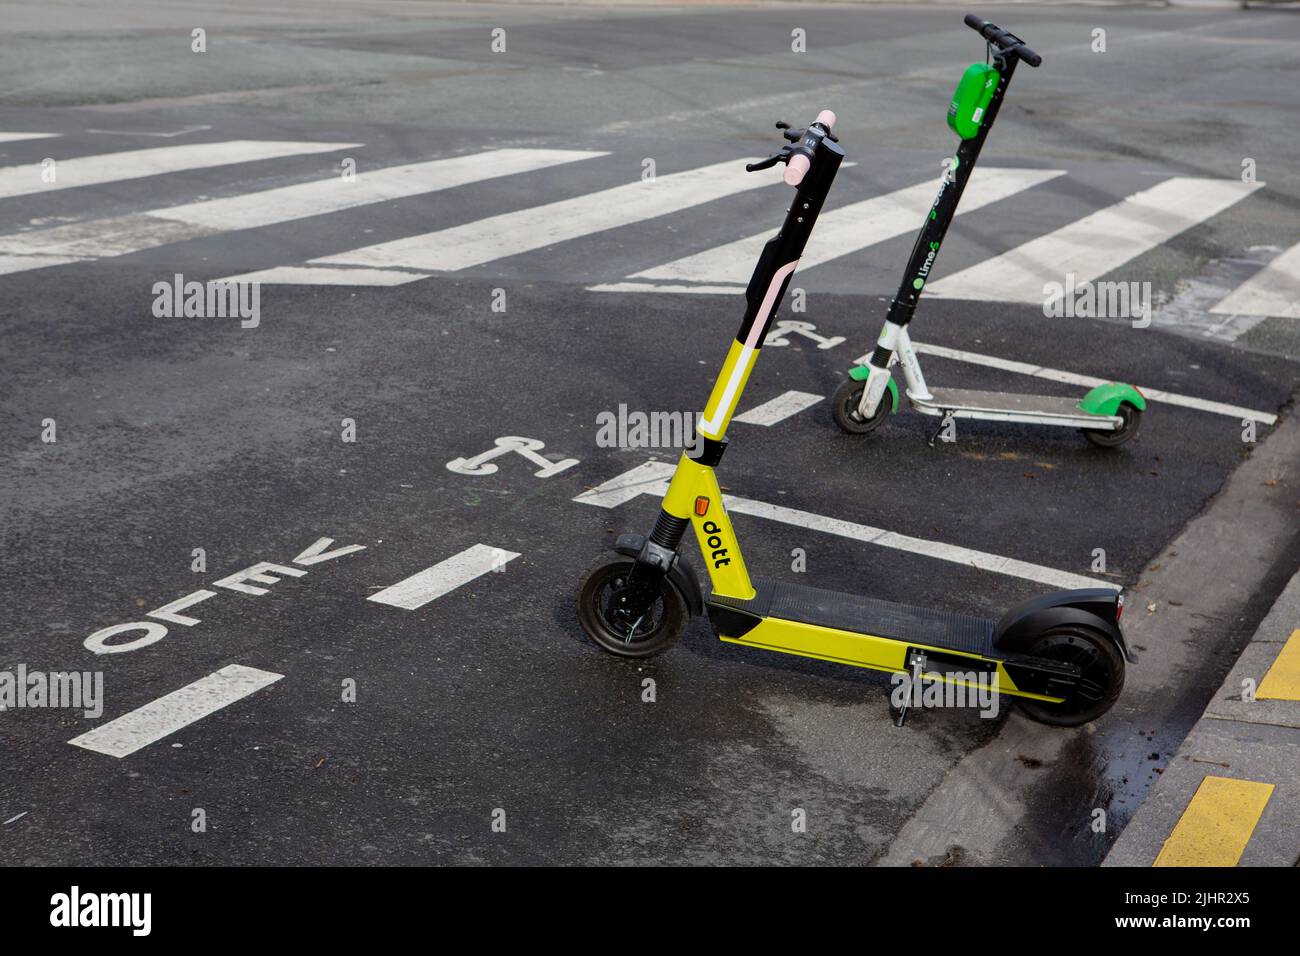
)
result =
(121, 235)
(1096, 244)
(1089, 248)
(840, 232)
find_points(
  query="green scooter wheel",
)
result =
(844, 407)
(1100, 683)
(598, 612)
(1132, 418)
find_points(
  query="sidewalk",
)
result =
(1231, 795)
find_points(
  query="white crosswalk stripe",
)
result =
(155, 161)
(840, 232)
(1096, 244)
(326, 275)
(1273, 291)
(120, 235)
(10, 137)
(497, 237)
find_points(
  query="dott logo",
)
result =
(715, 541)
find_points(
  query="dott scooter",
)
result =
(1109, 415)
(1062, 655)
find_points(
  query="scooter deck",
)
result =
(1043, 409)
(863, 615)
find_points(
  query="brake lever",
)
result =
(768, 163)
(793, 135)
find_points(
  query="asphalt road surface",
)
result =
(499, 267)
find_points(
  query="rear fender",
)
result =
(1106, 399)
(1097, 608)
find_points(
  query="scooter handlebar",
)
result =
(1004, 41)
(800, 162)
(796, 169)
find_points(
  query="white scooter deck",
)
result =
(1006, 407)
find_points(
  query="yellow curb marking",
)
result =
(1217, 824)
(1282, 682)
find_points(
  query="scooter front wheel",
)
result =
(600, 617)
(844, 407)
(1131, 416)
(1100, 682)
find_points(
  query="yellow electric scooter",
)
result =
(1060, 655)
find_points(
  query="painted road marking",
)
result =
(1282, 682)
(482, 463)
(654, 287)
(1273, 291)
(1217, 824)
(263, 572)
(140, 163)
(512, 233)
(840, 232)
(1096, 244)
(778, 409)
(379, 185)
(779, 334)
(1087, 381)
(18, 137)
(166, 715)
(445, 576)
(652, 478)
(315, 275)
(648, 479)
(120, 235)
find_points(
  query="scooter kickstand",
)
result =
(902, 714)
(934, 436)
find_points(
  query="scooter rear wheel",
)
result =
(1099, 685)
(661, 625)
(844, 407)
(1132, 417)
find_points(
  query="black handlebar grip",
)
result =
(1001, 38)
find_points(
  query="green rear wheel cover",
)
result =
(1106, 399)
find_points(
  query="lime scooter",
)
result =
(1061, 655)
(1109, 415)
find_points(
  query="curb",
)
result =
(1231, 795)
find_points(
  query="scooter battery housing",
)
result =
(974, 93)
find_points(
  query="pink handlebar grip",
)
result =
(796, 168)
(827, 118)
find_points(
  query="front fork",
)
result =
(630, 603)
(694, 500)
(893, 346)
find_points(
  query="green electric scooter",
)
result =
(1109, 415)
